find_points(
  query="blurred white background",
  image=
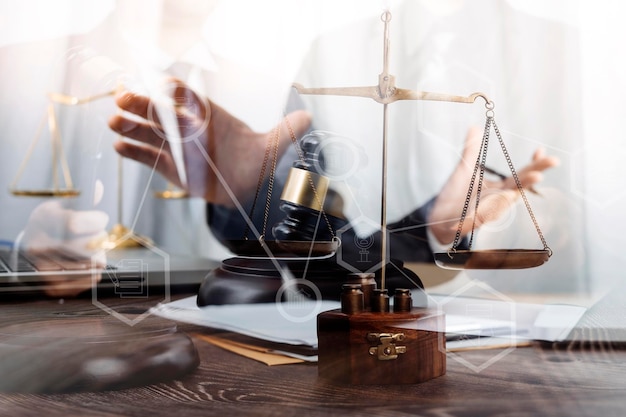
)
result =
(569, 98)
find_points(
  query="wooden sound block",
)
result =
(381, 348)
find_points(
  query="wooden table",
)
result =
(584, 380)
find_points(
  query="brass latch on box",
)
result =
(387, 348)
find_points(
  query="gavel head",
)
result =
(313, 210)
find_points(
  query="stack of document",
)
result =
(470, 322)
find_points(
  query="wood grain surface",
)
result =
(588, 380)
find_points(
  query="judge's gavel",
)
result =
(313, 210)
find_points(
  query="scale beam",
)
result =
(386, 92)
(393, 94)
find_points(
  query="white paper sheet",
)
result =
(470, 318)
(291, 323)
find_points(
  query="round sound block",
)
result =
(282, 249)
(245, 281)
(91, 354)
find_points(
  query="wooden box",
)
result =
(381, 347)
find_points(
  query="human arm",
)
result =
(496, 197)
(222, 155)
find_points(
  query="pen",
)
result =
(494, 172)
(503, 177)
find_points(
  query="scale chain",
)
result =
(480, 165)
(468, 197)
(260, 182)
(270, 186)
(482, 159)
(518, 183)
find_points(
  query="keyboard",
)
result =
(22, 261)
(28, 270)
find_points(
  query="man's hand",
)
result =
(496, 196)
(222, 155)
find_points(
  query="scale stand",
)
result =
(377, 345)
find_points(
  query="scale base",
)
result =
(171, 194)
(122, 237)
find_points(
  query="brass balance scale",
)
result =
(312, 187)
(119, 236)
(366, 341)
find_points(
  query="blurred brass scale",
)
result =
(367, 341)
(119, 235)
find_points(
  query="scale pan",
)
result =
(280, 249)
(492, 259)
(66, 192)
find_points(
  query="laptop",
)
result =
(603, 324)
(128, 272)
